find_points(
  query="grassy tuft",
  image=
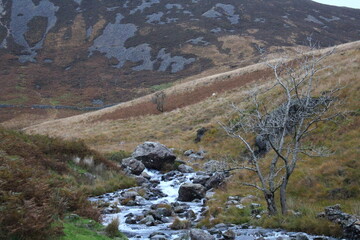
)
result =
(180, 224)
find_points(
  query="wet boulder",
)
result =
(180, 208)
(129, 194)
(154, 155)
(130, 219)
(148, 221)
(198, 234)
(158, 236)
(189, 192)
(160, 213)
(141, 181)
(185, 168)
(133, 166)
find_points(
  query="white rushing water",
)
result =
(141, 231)
(169, 186)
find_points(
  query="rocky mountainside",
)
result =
(92, 52)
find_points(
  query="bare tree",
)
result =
(281, 129)
(159, 100)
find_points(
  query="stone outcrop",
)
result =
(189, 192)
(154, 155)
(349, 223)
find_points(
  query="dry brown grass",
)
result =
(177, 127)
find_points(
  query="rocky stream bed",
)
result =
(150, 210)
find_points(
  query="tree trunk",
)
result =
(283, 197)
(270, 200)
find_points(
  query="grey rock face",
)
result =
(189, 191)
(349, 223)
(134, 166)
(198, 234)
(185, 168)
(154, 155)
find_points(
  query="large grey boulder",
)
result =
(198, 234)
(154, 155)
(189, 191)
(133, 166)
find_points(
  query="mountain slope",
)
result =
(316, 183)
(189, 105)
(93, 53)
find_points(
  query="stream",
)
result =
(144, 212)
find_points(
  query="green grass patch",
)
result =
(85, 229)
(17, 100)
(306, 222)
(160, 87)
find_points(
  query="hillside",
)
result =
(95, 53)
(45, 183)
(316, 183)
(201, 102)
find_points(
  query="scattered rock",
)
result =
(301, 236)
(201, 178)
(213, 166)
(133, 166)
(198, 234)
(190, 215)
(146, 175)
(248, 199)
(196, 156)
(154, 155)
(189, 191)
(189, 152)
(158, 236)
(185, 168)
(148, 220)
(129, 194)
(229, 235)
(141, 180)
(215, 180)
(162, 212)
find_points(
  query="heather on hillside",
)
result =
(40, 183)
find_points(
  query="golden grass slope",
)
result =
(316, 183)
(177, 127)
